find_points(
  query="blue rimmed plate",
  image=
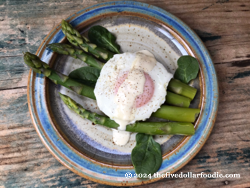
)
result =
(87, 149)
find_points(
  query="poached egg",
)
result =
(131, 86)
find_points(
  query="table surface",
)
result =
(223, 26)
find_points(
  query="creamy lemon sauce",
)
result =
(132, 87)
(144, 60)
(126, 95)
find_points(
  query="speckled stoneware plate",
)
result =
(88, 149)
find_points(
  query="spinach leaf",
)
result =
(86, 75)
(103, 38)
(146, 155)
(188, 68)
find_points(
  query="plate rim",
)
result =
(43, 136)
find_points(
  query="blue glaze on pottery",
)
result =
(189, 149)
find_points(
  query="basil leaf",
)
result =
(146, 155)
(188, 68)
(86, 75)
(103, 38)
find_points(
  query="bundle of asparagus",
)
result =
(172, 113)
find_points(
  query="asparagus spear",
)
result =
(75, 38)
(67, 49)
(177, 100)
(152, 128)
(40, 67)
(181, 88)
(175, 113)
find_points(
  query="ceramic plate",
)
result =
(88, 149)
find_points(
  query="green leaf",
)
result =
(103, 38)
(188, 68)
(86, 75)
(146, 155)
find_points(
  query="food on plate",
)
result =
(129, 89)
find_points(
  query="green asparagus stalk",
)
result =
(181, 88)
(67, 49)
(162, 128)
(175, 113)
(39, 66)
(177, 100)
(75, 38)
(152, 128)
